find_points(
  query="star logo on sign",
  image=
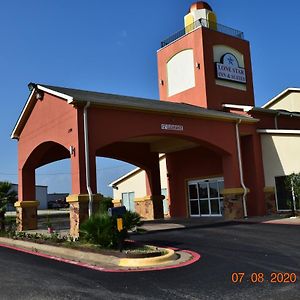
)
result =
(230, 60)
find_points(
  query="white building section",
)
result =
(132, 187)
(181, 72)
(278, 149)
(288, 100)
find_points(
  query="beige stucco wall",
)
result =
(280, 155)
(163, 173)
(136, 183)
(291, 102)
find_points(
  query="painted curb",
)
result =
(63, 253)
(148, 261)
(102, 262)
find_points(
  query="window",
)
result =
(128, 201)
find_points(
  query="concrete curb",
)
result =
(62, 252)
(149, 261)
(99, 261)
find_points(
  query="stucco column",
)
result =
(79, 199)
(153, 187)
(253, 173)
(233, 192)
(26, 206)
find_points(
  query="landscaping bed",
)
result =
(130, 249)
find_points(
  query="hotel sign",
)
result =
(171, 127)
(229, 69)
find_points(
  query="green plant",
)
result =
(104, 204)
(7, 196)
(101, 229)
(292, 182)
(131, 220)
(48, 222)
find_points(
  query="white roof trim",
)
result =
(245, 108)
(42, 88)
(136, 170)
(55, 93)
(278, 131)
(13, 134)
(279, 95)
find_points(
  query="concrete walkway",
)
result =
(60, 222)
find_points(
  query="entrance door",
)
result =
(205, 198)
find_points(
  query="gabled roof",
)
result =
(279, 96)
(73, 96)
(131, 173)
(125, 176)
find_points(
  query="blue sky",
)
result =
(110, 46)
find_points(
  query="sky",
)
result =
(110, 46)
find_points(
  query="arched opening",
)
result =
(120, 181)
(46, 171)
(180, 160)
(54, 182)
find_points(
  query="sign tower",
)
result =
(205, 64)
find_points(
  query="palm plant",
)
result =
(7, 195)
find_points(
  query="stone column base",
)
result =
(79, 210)
(144, 207)
(270, 200)
(233, 203)
(26, 215)
(117, 202)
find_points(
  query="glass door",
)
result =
(194, 199)
(205, 198)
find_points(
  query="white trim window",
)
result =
(128, 201)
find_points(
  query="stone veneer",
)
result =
(26, 215)
(270, 200)
(144, 207)
(233, 203)
(79, 205)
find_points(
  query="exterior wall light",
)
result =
(72, 150)
(39, 95)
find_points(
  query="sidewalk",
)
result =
(160, 225)
(60, 221)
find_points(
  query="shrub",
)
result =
(104, 204)
(101, 229)
(131, 220)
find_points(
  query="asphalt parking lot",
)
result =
(255, 250)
